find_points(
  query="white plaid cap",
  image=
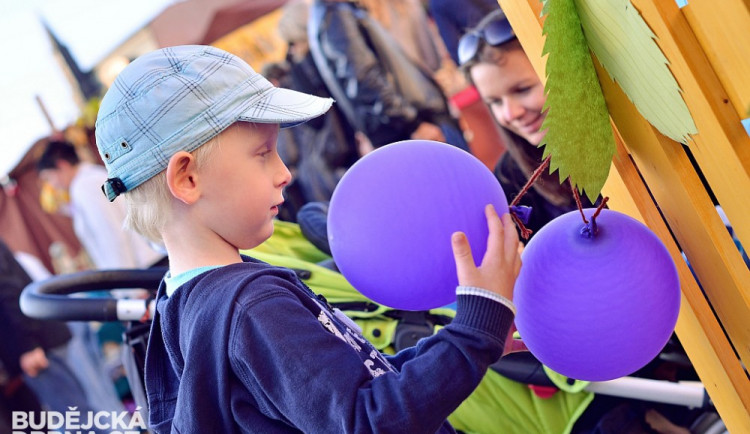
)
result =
(178, 98)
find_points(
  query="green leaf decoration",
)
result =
(579, 136)
(627, 49)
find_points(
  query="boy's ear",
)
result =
(182, 177)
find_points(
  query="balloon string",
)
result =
(600, 207)
(526, 232)
(596, 213)
(591, 230)
(580, 206)
(578, 203)
(536, 174)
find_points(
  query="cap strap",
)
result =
(113, 187)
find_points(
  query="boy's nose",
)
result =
(284, 176)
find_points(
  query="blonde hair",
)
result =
(147, 205)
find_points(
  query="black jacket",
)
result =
(512, 179)
(363, 82)
(21, 333)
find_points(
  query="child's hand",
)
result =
(501, 262)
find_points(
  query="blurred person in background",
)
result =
(453, 18)
(411, 27)
(84, 352)
(319, 151)
(97, 224)
(383, 94)
(38, 349)
(496, 64)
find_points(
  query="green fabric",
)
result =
(379, 331)
(287, 240)
(499, 405)
(563, 383)
(579, 136)
(287, 247)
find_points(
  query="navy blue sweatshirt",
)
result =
(249, 348)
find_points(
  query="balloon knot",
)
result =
(590, 229)
(522, 212)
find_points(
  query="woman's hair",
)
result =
(55, 151)
(527, 156)
(489, 54)
(148, 205)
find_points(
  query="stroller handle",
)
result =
(51, 299)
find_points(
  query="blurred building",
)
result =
(246, 28)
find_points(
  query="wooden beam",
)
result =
(721, 147)
(699, 330)
(721, 28)
(672, 180)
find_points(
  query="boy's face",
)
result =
(242, 184)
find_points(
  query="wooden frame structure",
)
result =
(707, 43)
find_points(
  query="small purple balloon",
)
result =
(392, 215)
(596, 308)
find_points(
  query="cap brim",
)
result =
(286, 107)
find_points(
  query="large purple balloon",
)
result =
(596, 308)
(392, 215)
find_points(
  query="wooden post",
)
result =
(649, 165)
(43, 108)
(723, 31)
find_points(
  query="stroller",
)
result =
(518, 395)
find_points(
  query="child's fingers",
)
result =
(495, 235)
(510, 236)
(463, 257)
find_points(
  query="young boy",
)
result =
(188, 135)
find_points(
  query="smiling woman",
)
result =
(494, 61)
(513, 91)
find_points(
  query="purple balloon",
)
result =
(392, 215)
(596, 308)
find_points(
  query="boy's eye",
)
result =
(265, 152)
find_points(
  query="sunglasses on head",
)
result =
(494, 33)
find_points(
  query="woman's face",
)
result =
(513, 92)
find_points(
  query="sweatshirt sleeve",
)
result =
(299, 372)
